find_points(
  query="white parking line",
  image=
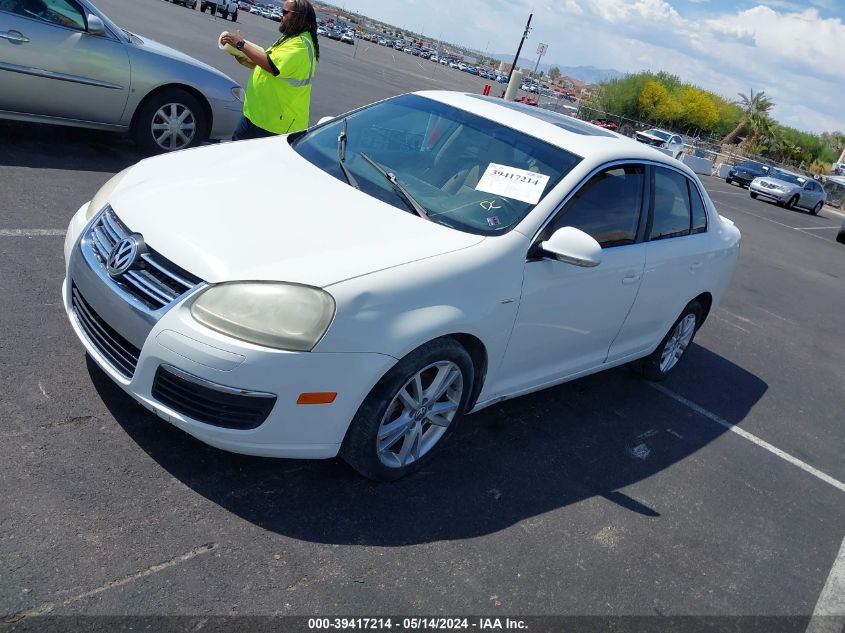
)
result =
(752, 438)
(815, 228)
(30, 232)
(829, 614)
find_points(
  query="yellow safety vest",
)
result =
(280, 103)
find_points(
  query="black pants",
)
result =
(247, 129)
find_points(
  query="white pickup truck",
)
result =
(226, 8)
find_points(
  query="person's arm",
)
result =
(255, 54)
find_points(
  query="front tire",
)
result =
(657, 365)
(410, 412)
(753, 195)
(792, 203)
(168, 121)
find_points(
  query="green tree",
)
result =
(753, 105)
(554, 72)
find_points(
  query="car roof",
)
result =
(579, 137)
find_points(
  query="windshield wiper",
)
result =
(398, 188)
(341, 156)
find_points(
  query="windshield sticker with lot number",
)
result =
(511, 182)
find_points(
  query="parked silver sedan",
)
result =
(65, 62)
(789, 190)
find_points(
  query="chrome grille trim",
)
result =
(120, 353)
(156, 283)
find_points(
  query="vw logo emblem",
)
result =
(122, 256)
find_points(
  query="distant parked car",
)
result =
(346, 38)
(745, 172)
(790, 190)
(321, 30)
(165, 99)
(662, 139)
(526, 100)
(608, 124)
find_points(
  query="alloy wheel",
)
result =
(677, 343)
(173, 126)
(420, 414)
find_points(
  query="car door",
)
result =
(678, 253)
(811, 195)
(50, 66)
(568, 316)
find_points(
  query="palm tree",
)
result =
(753, 106)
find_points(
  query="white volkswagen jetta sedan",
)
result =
(385, 272)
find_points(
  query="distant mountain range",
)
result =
(588, 74)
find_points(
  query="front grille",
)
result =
(212, 404)
(120, 353)
(154, 280)
(769, 185)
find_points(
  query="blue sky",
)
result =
(794, 51)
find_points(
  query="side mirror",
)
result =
(325, 119)
(573, 246)
(95, 26)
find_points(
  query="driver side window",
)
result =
(59, 12)
(607, 207)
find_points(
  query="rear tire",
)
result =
(406, 411)
(672, 349)
(753, 195)
(729, 181)
(170, 120)
(816, 209)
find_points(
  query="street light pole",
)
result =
(519, 50)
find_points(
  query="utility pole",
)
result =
(519, 50)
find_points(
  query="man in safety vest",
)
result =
(278, 94)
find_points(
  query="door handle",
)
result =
(630, 279)
(14, 36)
(695, 265)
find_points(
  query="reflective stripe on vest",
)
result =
(298, 83)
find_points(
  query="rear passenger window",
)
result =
(671, 216)
(699, 216)
(607, 207)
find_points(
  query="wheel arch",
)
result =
(196, 94)
(478, 353)
(706, 301)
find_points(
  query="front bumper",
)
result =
(176, 342)
(772, 194)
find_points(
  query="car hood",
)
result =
(776, 181)
(651, 137)
(145, 44)
(256, 210)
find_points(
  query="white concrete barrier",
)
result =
(722, 170)
(698, 165)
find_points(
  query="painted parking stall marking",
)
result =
(749, 436)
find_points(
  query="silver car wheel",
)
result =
(173, 126)
(419, 414)
(677, 343)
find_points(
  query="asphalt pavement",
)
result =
(717, 493)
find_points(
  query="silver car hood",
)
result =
(778, 182)
(144, 43)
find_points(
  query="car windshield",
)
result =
(659, 134)
(467, 172)
(787, 177)
(754, 167)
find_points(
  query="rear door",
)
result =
(678, 253)
(50, 66)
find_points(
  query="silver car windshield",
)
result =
(658, 134)
(467, 172)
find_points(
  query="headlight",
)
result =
(784, 189)
(284, 316)
(238, 93)
(101, 198)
